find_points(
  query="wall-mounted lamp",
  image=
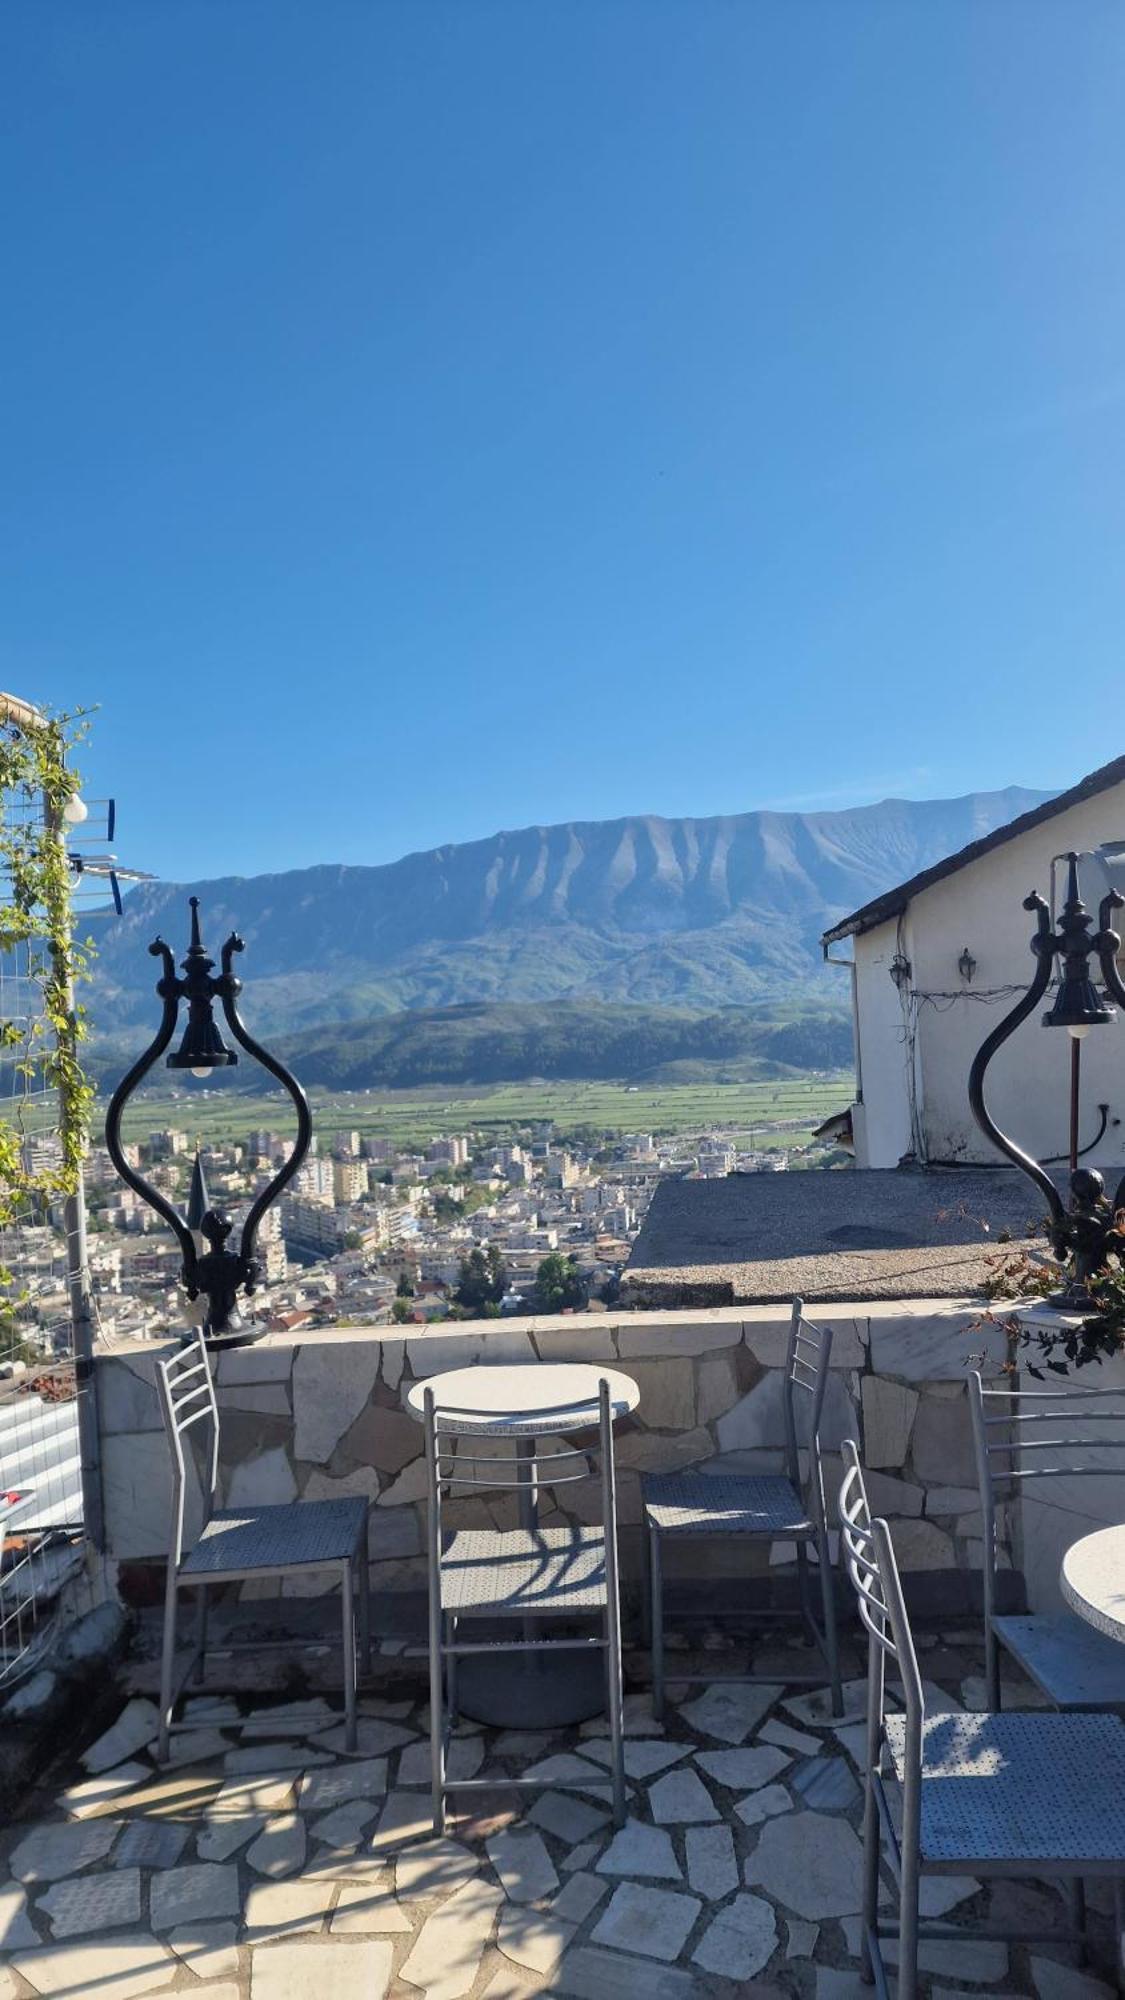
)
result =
(966, 966)
(218, 1273)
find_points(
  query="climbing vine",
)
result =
(36, 781)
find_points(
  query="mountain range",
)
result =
(687, 913)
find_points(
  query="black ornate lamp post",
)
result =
(1083, 1228)
(219, 1273)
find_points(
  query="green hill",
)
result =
(558, 1040)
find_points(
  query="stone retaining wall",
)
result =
(322, 1414)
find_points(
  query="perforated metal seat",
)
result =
(540, 1569)
(1004, 1790)
(725, 1503)
(1074, 1666)
(237, 1541)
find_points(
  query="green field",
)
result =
(408, 1118)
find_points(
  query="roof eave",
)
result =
(868, 919)
(882, 909)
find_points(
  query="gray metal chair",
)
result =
(1035, 1434)
(529, 1573)
(239, 1542)
(764, 1507)
(967, 1794)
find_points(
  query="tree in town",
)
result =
(558, 1284)
(404, 1289)
(482, 1280)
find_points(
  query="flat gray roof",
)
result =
(847, 1234)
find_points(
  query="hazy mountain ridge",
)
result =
(686, 912)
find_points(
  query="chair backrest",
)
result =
(806, 1380)
(1021, 1434)
(869, 1558)
(456, 1464)
(187, 1397)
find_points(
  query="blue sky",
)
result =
(428, 417)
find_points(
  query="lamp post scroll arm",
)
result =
(229, 987)
(1107, 944)
(169, 988)
(1043, 944)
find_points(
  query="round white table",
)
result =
(526, 1400)
(1092, 1580)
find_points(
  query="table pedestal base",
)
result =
(532, 1690)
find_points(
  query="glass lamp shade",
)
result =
(1077, 1004)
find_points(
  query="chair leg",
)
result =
(451, 1672)
(167, 1663)
(200, 1635)
(804, 1594)
(1119, 1932)
(364, 1610)
(646, 1591)
(656, 1621)
(908, 1918)
(615, 1705)
(1076, 1909)
(347, 1591)
(437, 1719)
(872, 1832)
(828, 1613)
(870, 1881)
(991, 1667)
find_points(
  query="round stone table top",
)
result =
(528, 1398)
(1093, 1580)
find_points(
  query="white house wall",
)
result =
(882, 1121)
(980, 906)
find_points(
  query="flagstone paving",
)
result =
(571, 1820)
(712, 1870)
(740, 1940)
(280, 1847)
(277, 1866)
(762, 1804)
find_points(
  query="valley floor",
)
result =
(409, 1117)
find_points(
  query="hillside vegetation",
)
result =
(560, 1040)
(567, 1040)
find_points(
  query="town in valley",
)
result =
(519, 1215)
